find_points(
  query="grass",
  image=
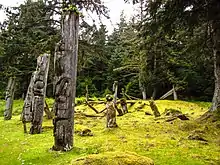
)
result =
(164, 142)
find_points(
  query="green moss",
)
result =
(113, 158)
(164, 142)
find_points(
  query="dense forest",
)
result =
(147, 53)
(62, 71)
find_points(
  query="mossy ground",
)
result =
(164, 142)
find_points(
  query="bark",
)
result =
(39, 92)
(65, 89)
(154, 108)
(111, 115)
(216, 53)
(9, 98)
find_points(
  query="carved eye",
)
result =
(39, 84)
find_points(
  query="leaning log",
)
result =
(66, 68)
(154, 108)
(9, 97)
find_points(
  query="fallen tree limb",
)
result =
(90, 106)
(103, 102)
(103, 110)
(135, 98)
(88, 115)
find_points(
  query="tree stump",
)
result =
(9, 98)
(154, 108)
(65, 69)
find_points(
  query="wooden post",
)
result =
(9, 98)
(65, 89)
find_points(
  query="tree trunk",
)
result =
(39, 92)
(143, 90)
(216, 52)
(9, 98)
(154, 93)
(87, 93)
(115, 90)
(65, 89)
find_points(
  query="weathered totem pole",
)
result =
(26, 115)
(66, 68)
(34, 101)
(111, 113)
(9, 98)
